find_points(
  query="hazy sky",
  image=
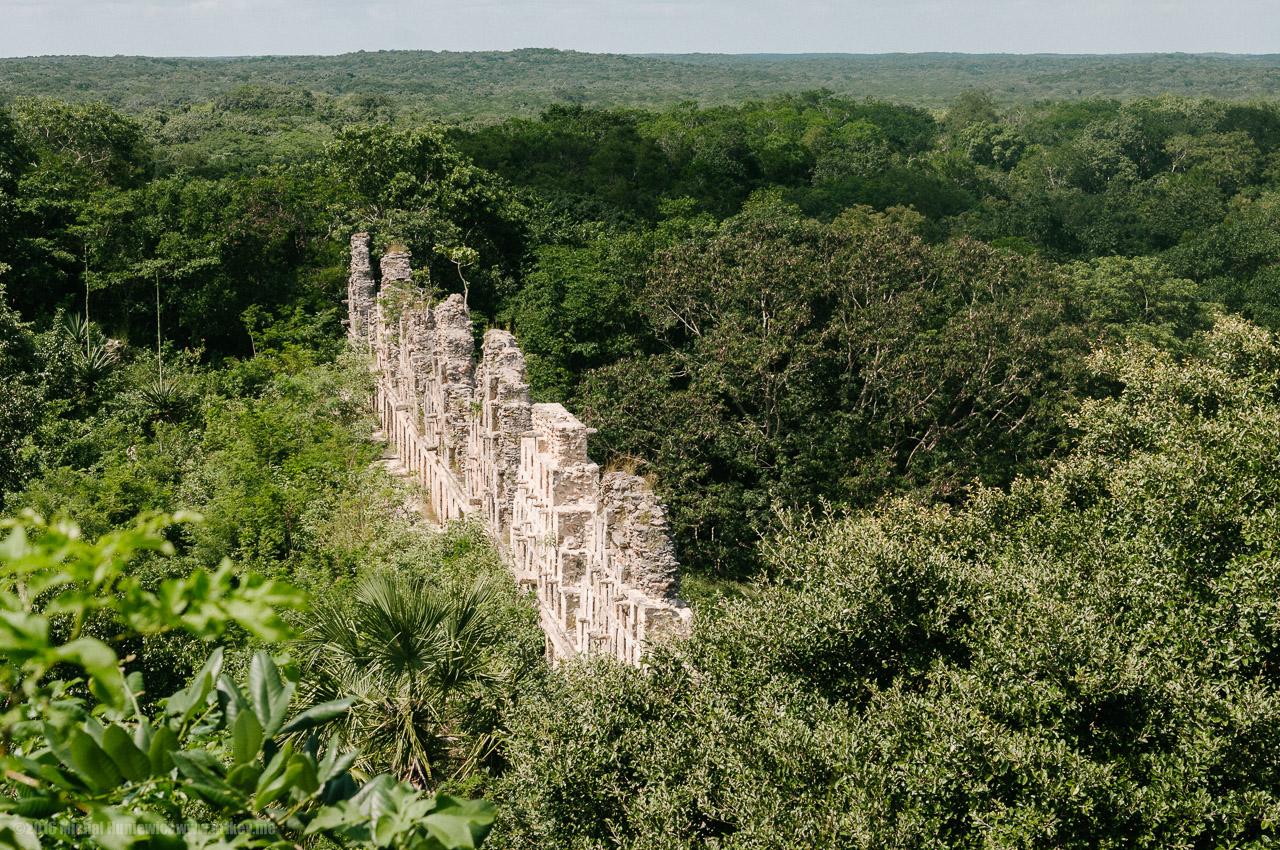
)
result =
(243, 27)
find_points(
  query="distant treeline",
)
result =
(493, 85)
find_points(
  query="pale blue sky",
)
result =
(245, 27)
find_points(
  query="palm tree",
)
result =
(423, 667)
(92, 356)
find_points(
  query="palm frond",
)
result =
(419, 661)
(164, 399)
(92, 355)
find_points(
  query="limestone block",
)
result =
(573, 526)
(566, 437)
(395, 266)
(569, 599)
(638, 535)
(573, 567)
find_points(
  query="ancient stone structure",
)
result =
(596, 549)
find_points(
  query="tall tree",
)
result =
(20, 397)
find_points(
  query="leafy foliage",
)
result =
(20, 395)
(411, 188)
(129, 779)
(421, 668)
(804, 362)
(491, 85)
(1085, 660)
(790, 308)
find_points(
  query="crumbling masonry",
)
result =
(595, 548)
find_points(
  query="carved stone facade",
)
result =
(596, 549)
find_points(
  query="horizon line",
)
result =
(652, 55)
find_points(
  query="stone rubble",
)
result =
(596, 549)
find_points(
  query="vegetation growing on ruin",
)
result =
(964, 408)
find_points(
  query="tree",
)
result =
(993, 145)
(412, 187)
(1234, 261)
(971, 107)
(1228, 159)
(20, 396)
(13, 161)
(1087, 659)
(103, 768)
(802, 362)
(76, 200)
(417, 665)
(90, 141)
(1137, 299)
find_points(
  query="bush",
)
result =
(1086, 660)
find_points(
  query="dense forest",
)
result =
(492, 86)
(964, 403)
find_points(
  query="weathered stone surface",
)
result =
(396, 266)
(360, 292)
(638, 537)
(596, 550)
(502, 413)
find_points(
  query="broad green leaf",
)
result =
(22, 630)
(100, 662)
(132, 762)
(142, 734)
(376, 795)
(341, 816)
(35, 807)
(92, 762)
(231, 699)
(190, 701)
(335, 763)
(217, 795)
(317, 715)
(272, 782)
(302, 774)
(454, 830)
(53, 773)
(270, 696)
(199, 764)
(460, 823)
(385, 830)
(185, 703)
(246, 738)
(244, 778)
(94, 727)
(14, 546)
(481, 811)
(164, 743)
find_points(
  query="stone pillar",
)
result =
(418, 339)
(455, 375)
(505, 413)
(360, 293)
(564, 484)
(395, 266)
(395, 299)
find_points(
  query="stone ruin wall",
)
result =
(596, 549)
